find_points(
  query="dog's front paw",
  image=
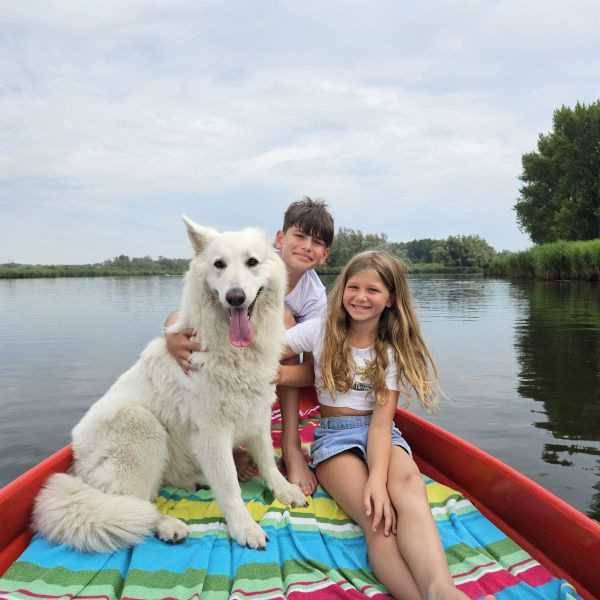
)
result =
(249, 534)
(171, 530)
(290, 493)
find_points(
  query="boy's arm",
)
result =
(299, 375)
(287, 352)
(179, 345)
(172, 318)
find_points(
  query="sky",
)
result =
(408, 118)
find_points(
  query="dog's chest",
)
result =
(236, 368)
(245, 372)
(230, 399)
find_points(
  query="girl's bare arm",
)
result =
(380, 437)
(379, 447)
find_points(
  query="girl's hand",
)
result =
(377, 502)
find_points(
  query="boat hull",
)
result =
(560, 537)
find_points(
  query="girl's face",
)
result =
(366, 296)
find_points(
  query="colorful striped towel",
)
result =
(314, 553)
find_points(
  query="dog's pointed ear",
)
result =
(199, 236)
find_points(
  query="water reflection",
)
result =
(463, 299)
(557, 343)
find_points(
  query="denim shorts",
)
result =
(338, 434)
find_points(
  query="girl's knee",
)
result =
(406, 487)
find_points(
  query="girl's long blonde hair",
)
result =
(398, 329)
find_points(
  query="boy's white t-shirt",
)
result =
(308, 300)
(308, 337)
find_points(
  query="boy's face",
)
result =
(299, 251)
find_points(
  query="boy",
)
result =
(304, 243)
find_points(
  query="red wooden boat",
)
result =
(557, 535)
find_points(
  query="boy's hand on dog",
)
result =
(181, 347)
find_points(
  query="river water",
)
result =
(519, 362)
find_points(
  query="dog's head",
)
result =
(237, 267)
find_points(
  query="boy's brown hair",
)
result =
(312, 217)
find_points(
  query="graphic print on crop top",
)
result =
(362, 381)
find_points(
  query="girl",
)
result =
(367, 351)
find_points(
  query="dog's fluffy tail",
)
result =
(69, 511)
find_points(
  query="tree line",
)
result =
(453, 252)
(121, 265)
(467, 252)
(162, 264)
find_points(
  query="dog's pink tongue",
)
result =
(240, 332)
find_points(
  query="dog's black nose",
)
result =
(235, 296)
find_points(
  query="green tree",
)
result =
(421, 250)
(440, 254)
(348, 242)
(122, 262)
(560, 196)
(463, 251)
(398, 249)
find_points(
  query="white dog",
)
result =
(155, 426)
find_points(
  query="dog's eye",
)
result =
(219, 264)
(252, 262)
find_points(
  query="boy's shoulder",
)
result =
(308, 299)
(311, 279)
(308, 285)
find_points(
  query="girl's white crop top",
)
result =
(308, 337)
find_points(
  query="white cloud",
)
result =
(410, 120)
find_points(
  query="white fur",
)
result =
(156, 426)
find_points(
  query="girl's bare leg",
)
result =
(418, 538)
(344, 477)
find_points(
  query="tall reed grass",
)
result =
(558, 260)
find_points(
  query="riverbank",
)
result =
(555, 261)
(51, 271)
